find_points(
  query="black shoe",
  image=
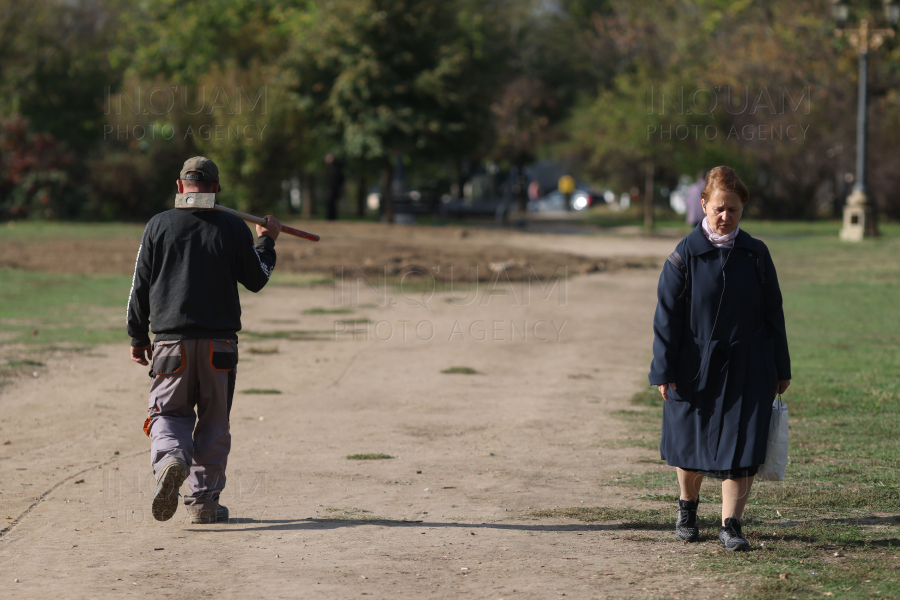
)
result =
(732, 537)
(220, 516)
(686, 524)
(165, 500)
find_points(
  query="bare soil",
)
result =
(373, 249)
(474, 455)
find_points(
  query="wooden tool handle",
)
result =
(300, 234)
(260, 221)
(237, 213)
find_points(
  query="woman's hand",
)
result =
(664, 390)
(782, 386)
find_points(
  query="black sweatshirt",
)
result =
(186, 276)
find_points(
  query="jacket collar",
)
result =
(698, 244)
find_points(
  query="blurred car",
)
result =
(555, 201)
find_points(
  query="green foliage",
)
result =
(394, 75)
(702, 82)
(52, 71)
(35, 177)
(267, 87)
(181, 41)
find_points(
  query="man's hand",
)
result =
(664, 390)
(272, 228)
(137, 354)
(782, 386)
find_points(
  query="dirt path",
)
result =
(450, 514)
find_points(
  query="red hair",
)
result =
(724, 178)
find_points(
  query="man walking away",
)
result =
(185, 289)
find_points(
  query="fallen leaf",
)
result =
(828, 593)
(7, 443)
(784, 575)
(80, 481)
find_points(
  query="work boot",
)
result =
(732, 537)
(165, 500)
(220, 516)
(686, 524)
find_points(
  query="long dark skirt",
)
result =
(729, 474)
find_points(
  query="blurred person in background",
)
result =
(693, 201)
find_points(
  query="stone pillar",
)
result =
(858, 222)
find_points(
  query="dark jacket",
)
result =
(720, 337)
(186, 276)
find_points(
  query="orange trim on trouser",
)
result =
(183, 362)
(211, 364)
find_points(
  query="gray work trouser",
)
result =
(193, 375)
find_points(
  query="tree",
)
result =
(706, 82)
(388, 77)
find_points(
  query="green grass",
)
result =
(632, 518)
(369, 456)
(35, 230)
(841, 309)
(47, 308)
(460, 371)
(17, 368)
(327, 311)
(260, 391)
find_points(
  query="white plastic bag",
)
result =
(777, 448)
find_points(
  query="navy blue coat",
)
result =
(720, 337)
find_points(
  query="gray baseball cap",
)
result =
(207, 169)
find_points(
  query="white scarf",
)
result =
(716, 239)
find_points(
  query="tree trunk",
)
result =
(361, 186)
(648, 197)
(308, 184)
(387, 200)
(522, 182)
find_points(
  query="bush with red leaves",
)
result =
(35, 174)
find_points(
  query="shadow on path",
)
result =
(312, 524)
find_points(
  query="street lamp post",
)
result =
(858, 221)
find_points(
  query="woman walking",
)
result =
(720, 355)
